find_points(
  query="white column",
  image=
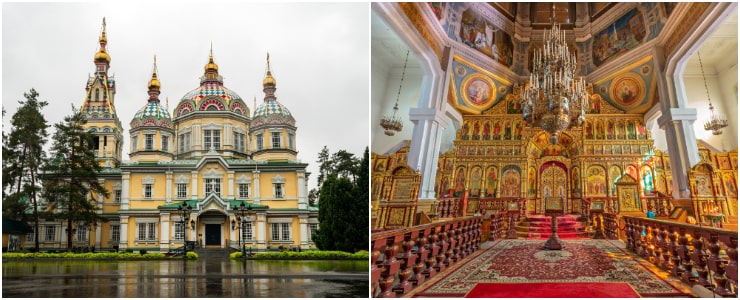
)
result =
(302, 194)
(261, 230)
(164, 237)
(125, 190)
(681, 140)
(168, 197)
(194, 185)
(123, 244)
(429, 126)
(256, 176)
(303, 220)
(98, 235)
(230, 188)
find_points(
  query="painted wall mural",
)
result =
(491, 181)
(460, 180)
(511, 178)
(473, 89)
(647, 180)
(614, 173)
(596, 181)
(475, 181)
(626, 33)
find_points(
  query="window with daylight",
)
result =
(146, 231)
(184, 142)
(117, 196)
(291, 141)
(247, 234)
(148, 141)
(278, 190)
(312, 228)
(147, 191)
(50, 233)
(81, 233)
(31, 236)
(259, 141)
(276, 140)
(115, 233)
(243, 190)
(211, 139)
(179, 231)
(280, 231)
(135, 143)
(165, 143)
(213, 185)
(239, 143)
(182, 190)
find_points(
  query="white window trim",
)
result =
(278, 179)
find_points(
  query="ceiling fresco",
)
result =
(489, 29)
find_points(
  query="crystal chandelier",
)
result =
(554, 99)
(391, 124)
(716, 121)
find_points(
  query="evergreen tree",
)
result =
(23, 154)
(325, 167)
(343, 205)
(71, 178)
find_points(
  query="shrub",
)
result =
(129, 250)
(142, 251)
(192, 255)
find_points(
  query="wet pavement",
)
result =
(155, 279)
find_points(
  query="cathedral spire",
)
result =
(101, 57)
(269, 83)
(154, 84)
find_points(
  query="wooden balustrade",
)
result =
(690, 252)
(610, 226)
(404, 258)
(661, 205)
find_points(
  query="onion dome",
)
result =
(211, 95)
(211, 66)
(154, 84)
(271, 108)
(153, 113)
(102, 55)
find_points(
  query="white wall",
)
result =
(697, 98)
(383, 99)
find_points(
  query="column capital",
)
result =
(677, 114)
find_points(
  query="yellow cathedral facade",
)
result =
(210, 156)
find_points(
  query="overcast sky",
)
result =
(319, 55)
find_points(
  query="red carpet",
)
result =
(524, 261)
(540, 227)
(553, 290)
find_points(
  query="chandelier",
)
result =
(391, 124)
(716, 121)
(554, 99)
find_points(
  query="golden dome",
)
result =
(269, 80)
(154, 84)
(102, 55)
(211, 66)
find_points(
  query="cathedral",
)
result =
(509, 138)
(210, 172)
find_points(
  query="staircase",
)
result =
(539, 227)
(213, 253)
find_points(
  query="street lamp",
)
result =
(241, 212)
(184, 212)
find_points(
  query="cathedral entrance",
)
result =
(213, 234)
(553, 182)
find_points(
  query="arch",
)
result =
(211, 104)
(184, 108)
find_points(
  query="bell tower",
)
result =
(99, 109)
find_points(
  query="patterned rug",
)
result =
(524, 261)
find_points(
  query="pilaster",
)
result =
(126, 176)
(164, 237)
(256, 176)
(168, 196)
(678, 126)
(123, 244)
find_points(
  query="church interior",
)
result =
(554, 149)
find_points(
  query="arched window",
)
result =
(97, 95)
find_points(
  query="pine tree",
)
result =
(325, 167)
(343, 205)
(71, 174)
(23, 155)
